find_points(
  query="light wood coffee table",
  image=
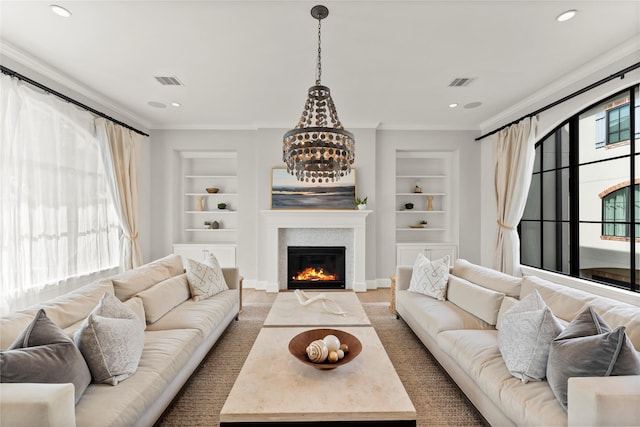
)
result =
(274, 388)
(287, 311)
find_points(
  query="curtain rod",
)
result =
(19, 76)
(620, 74)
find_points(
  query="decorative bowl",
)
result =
(212, 190)
(298, 346)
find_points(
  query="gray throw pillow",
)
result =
(44, 354)
(525, 335)
(111, 340)
(589, 348)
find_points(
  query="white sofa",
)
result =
(466, 346)
(174, 346)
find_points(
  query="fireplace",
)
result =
(316, 267)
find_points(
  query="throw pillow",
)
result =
(525, 335)
(44, 354)
(589, 348)
(430, 277)
(205, 280)
(111, 340)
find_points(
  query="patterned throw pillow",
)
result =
(430, 277)
(205, 280)
(111, 340)
(525, 335)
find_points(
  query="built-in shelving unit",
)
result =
(201, 170)
(424, 179)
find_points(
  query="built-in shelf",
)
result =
(201, 170)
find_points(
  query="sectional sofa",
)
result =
(178, 334)
(462, 333)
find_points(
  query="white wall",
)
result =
(260, 150)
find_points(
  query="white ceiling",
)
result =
(250, 63)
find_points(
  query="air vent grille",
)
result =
(168, 81)
(460, 82)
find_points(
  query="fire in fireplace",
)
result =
(316, 267)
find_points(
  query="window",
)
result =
(570, 225)
(59, 224)
(615, 212)
(618, 124)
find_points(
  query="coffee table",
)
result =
(275, 388)
(287, 311)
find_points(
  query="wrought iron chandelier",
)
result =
(318, 149)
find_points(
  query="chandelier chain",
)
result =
(319, 64)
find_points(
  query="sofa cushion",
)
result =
(507, 303)
(43, 353)
(589, 348)
(487, 277)
(477, 300)
(205, 280)
(436, 316)
(204, 315)
(159, 299)
(64, 310)
(430, 277)
(477, 354)
(131, 282)
(566, 303)
(525, 337)
(111, 340)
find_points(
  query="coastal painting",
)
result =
(289, 193)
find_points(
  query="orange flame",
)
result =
(310, 274)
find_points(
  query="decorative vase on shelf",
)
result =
(200, 200)
(429, 203)
(417, 189)
(362, 206)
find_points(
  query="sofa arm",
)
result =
(403, 277)
(232, 277)
(29, 404)
(604, 401)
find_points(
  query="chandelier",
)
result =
(318, 149)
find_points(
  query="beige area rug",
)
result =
(437, 400)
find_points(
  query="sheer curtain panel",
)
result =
(59, 226)
(121, 152)
(514, 154)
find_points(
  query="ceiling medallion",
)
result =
(318, 149)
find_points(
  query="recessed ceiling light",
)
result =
(176, 104)
(157, 104)
(454, 105)
(60, 11)
(565, 16)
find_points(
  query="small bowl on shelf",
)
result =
(298, 347)
(212, 190)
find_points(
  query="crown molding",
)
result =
(12, 52)
(559, 86)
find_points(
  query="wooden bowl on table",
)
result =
(298, 346)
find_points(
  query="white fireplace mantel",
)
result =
(275, 220)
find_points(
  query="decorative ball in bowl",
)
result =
(212, 190)
(299, 344)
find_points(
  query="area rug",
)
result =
(437, 400)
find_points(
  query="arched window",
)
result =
(616, 211)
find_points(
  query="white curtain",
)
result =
(121, 151)
(59, 226)
(514, 154)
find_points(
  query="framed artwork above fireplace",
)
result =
(289, 193)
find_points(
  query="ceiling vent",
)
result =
(460, 82)
(168, 81)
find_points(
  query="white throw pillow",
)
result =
(205, 280)
(111, 340)
(430, 277)
(525, 335)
